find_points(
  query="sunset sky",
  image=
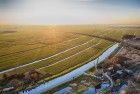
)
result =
(70, 11)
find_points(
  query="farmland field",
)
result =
(52, 49)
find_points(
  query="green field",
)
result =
(20, 45)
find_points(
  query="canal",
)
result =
(71, 75)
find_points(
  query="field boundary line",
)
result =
(70, 56)
(37, 61)
(22, 51)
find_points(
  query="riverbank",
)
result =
(124, 70)
(130, 83)
(80, 84)
(69, 76)
(27, 79)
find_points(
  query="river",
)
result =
(69, 76)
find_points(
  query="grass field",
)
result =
(51, 49)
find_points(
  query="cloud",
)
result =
(65, 11)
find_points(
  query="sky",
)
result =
(69, 12)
